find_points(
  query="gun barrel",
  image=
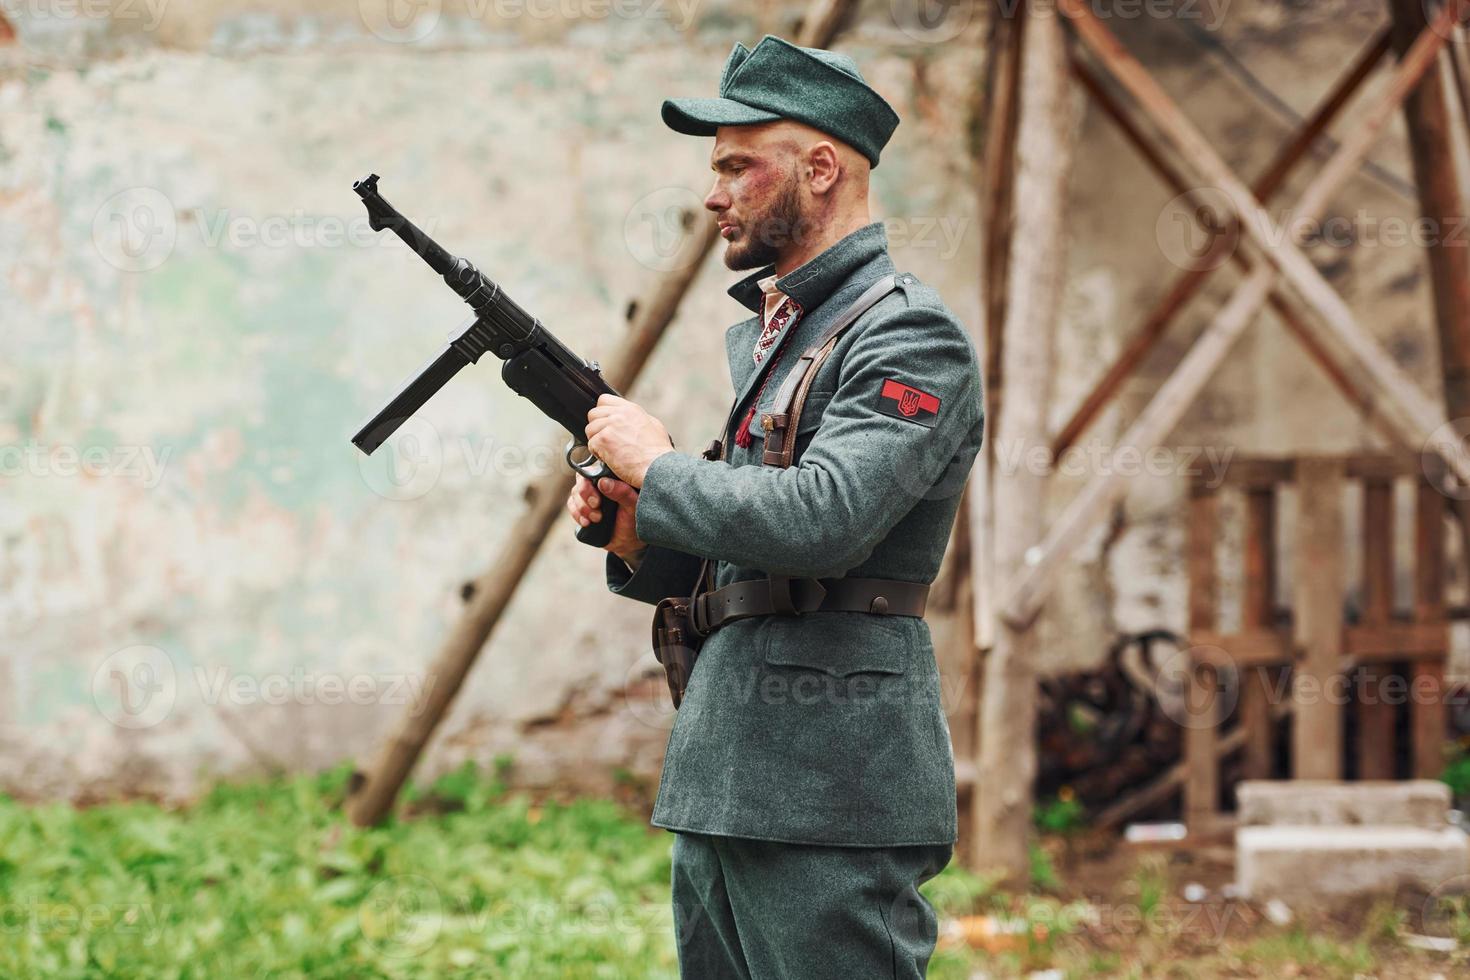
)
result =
(382, 215)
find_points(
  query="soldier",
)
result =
(809, 775)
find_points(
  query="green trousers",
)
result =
(765, 910)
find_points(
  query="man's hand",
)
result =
(584, 506)
(626, 438)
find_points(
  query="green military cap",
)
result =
(780, 80)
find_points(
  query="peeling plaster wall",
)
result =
(198, 573)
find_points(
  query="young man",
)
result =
(809, 775)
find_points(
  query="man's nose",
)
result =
(716, 199)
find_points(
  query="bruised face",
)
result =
(759, 197)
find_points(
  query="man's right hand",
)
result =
(584, 506)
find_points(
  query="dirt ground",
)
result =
(1116, 909)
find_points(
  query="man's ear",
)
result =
(825, 167)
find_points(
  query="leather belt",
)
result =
(779, 595)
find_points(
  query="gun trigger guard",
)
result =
(585, 467)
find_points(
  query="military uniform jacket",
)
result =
(825, 727)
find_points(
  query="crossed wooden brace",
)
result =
(1406, 411)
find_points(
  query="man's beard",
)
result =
(770, 233)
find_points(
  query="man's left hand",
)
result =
(626, 438)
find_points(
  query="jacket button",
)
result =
(878, 605)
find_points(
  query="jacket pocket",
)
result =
(837, 643)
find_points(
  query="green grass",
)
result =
(268, 880)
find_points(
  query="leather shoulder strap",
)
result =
(781, 422)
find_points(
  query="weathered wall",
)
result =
(198, 573)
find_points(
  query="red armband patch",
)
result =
(907, 402)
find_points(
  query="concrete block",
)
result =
(1329, 803)
(1310, 864)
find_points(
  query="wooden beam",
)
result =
(1201, 708)
(1004, 798)
(998, 171)
(1436, 176)
(1165, 786)
(1396, 641)
(1026, 595)
(1257, 613)
(1427, 718)
(1248, 648)
(1156, 421)
(997, 191)
(1430, 144)
(1318, 590)
(1188, 285)
(1418, 419)
(1375, 712)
